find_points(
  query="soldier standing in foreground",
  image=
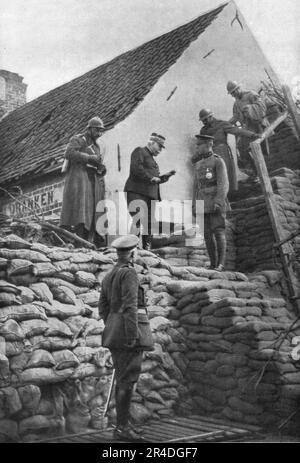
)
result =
(211, 186)
(120, 302)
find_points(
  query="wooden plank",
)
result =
(197, 436)
(285, 249)
(269, 130)
(292, 108)
(229, 424)
(211, 422)
(201, 425)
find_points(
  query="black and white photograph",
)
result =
(149, 225)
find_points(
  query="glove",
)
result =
(155, 180)
(101, 169)
(131, 344)
(217, 207)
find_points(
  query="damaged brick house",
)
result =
(223, 345)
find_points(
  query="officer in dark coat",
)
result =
(84, 182)
(219, 130)
(121, 294)
(143, 184)
(211, 186)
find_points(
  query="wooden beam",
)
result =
(269, 130)
(285, 248)
(292, 108)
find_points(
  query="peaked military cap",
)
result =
(160, 139)
(204, 137)
(125, 242)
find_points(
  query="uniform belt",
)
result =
(142, 310)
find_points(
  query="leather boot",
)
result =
(211, 247)
(221, 247)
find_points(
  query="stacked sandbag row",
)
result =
(253, 235)
(193, 253)
(284, 147)
(50, 339)
(239, 349)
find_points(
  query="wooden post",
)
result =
(292, 109)
(284, 249)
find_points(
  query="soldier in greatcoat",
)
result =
(250, 111)
(84, 181)
(143, 184)
(219, 129)
(121, 294)
(211, 186)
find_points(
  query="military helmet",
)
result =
(96, 122)
(204, 113)
(232, 85)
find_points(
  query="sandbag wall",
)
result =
(254, 236)
(240, 345)
(54, 374)
(284, 147)
(195, 255)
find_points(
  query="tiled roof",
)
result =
(33, 137)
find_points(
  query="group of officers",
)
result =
(215, 175)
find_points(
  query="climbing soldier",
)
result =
(219, 129)
(250, 111)
(211, 186)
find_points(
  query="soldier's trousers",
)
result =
(215, 237)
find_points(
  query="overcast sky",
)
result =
(49, 42)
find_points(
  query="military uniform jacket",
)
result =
(211, 183)
(250, 110)
(143, 168)
(83, 187)
(121, 293)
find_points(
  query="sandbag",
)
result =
(64, 275)
(9, 430)
(19, 267)
(85, 279)
(11, 331)
(18, 363)
(27, 295)
(36, 423)
(57, 328)
(6, 287)
(40, 358)
(98, 420)
(78, 418)
(102, 358)
(22, 312)
(84, 353)
(12, 400)
(33, 327)
(64, 311)
(9, 299)
(51, 281)
(41, 376)
(23, 280)
(32, 256)
(50, 343)
(13, 348)
(65, 359)
(42, 269)
(15, 242)
(84, 370)
(76, 323)
(30, 396)
(94, 340)
(93, 327)
(42, 291)
(64, 294)
(91, 298)
(3, 263)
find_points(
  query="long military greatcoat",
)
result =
(250, 110)
(83, 186)
(219, 130)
